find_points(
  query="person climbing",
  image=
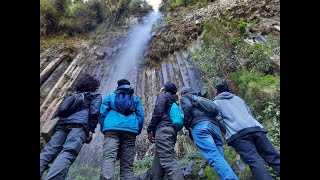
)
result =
(245, 134)
(121, 120)
(75, 127)
(161, 132)
(206, 134)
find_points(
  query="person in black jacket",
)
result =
(72, 131)
(161, 132)
(206, 134)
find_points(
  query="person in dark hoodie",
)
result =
(161, 132)
(121, 120)
(206, 135)
(245, 134)
(72, 130)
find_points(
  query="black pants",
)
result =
(165, 160)
(254, 149)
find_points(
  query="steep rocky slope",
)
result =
(171, 56)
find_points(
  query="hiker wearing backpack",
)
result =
(245, 134)
(200, 119)
(121, 120)
(79, 115)
(163, 134)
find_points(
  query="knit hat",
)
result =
(170, 87)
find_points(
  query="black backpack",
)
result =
(124, 102)
(70, 105)
(204, 104)
(207, 106)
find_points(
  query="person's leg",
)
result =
(267, 151)
(157, 172)
(245, 147)
(202, 134)
(127, 144)
(165, 140)
(110, 151)
(72, 146)
(217, 137)
(52, 149)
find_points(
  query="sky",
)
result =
(155, 4)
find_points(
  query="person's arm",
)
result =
(186, 106)
(94, 112)
(220, 120)
(104, 109)
(159, 109)
(93, 115)
(140, 115)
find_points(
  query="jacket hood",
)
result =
(172, 97)
(125, 89)
(224, 95)
(189, 90)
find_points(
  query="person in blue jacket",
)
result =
(121, 120)
(245, 134)
(74, 128)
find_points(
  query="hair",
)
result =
(123, 82)
(222, 87)
(86, 83)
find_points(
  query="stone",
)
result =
(48, 129)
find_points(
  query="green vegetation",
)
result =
(169, 5)
(81, 172)
(59, 16)
(141, 166)
(242, 25)
(63, 16)
(193, 156)
(63, 39)
(61, 20)
(250, 69)
(177, 3)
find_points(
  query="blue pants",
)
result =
(254, 148)
(63, 148)
(208, 139)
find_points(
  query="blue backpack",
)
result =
(176, 115)
(124, 103)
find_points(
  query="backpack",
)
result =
(124, 103)
(70, 105)
(204, 104)
(176, 116)
(208, 106)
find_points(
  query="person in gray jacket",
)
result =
(245, 134)
(205, 131)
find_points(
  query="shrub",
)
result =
(81, 172)
(262, 94)
(177, 3)
(141, 166)
(48, 17)
(257, 57)
(242, 26)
